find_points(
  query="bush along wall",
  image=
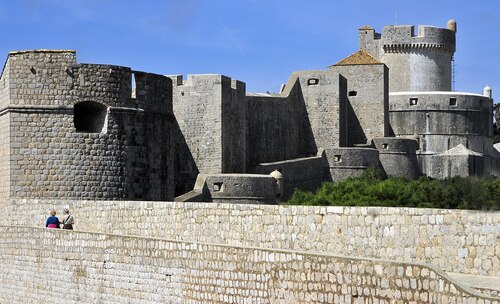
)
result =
(373, 188)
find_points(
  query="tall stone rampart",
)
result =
(454, 240)
(95, 267)
(210, 139)
(76, 131)
(367, 101)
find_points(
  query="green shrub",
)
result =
(373, 188)
(496, 136)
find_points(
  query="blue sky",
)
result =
(256, 41)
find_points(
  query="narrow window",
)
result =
(132, 85)
(453, 102)
(353, 93)
(413, 101)
(337, 158)
(312, 81)
(90, 117)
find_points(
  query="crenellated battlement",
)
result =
(418, 61)
(401, 38)
(54, 78)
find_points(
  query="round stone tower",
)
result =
(420, 62)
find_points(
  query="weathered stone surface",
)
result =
(123, 269)
(437, 237)
(115, 147)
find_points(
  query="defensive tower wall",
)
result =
(75, 131)
(420, 62)
(367, 86)
(210, 136)
(443, 120)
(398, 156)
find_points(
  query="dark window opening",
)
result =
(413, 101)
(385, 146)
(218, 186)
(453, 102)
(353, 93)
(90, 117)
(337, 158)
(312, 81)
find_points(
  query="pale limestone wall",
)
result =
(101, 268)
(454, 240)
(4, 155)
(4, 132)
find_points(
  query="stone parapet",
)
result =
(455, 240)
(99, 267)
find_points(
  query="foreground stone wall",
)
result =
(454, 240)
(102, 268)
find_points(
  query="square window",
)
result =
(385, 146)
(337, 158)
(218, 186)
(312, 81)
(453, 102)
(413, 101)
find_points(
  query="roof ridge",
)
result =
(360, 57)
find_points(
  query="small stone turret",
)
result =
(487, 92)
(452, 25)
(279, 182)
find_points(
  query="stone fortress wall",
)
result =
(443, 121)
(85, 131)
(453, 240)
(103, 268)
(76, 131)
(210, 113)
(133, 135)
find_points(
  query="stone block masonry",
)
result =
(454, 240)
(75, 130)
(103, 268)
(210, 116)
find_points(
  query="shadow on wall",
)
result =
(307, 144)
(185, 168)
(356, 135)
(278, 127)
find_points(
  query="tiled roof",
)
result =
(366, 27)
(360, 57)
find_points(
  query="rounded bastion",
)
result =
(86, 131)
(442, 120)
